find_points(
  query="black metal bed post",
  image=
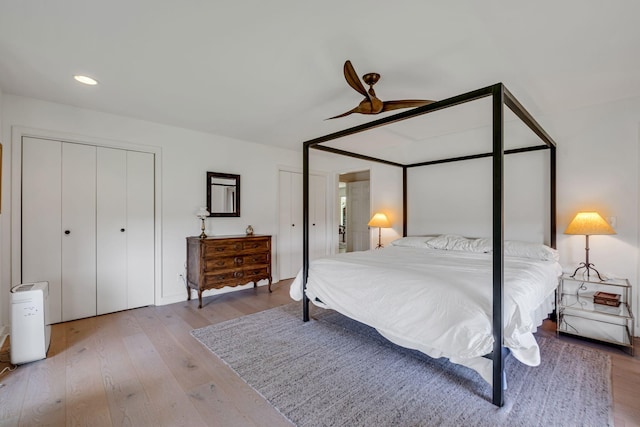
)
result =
(552, 195)
(305, 231)
(498, 242)
(404, 201)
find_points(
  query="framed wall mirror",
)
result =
(223, 194)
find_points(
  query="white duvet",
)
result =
(438, 302)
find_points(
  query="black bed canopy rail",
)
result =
(473, 95)
(500, 97)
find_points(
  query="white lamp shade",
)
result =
(589, 224)
(202, 213)
(379, 220)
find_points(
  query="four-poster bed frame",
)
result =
(500, 97)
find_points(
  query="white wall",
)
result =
(456, 198)
(385, 192)
(597, 169)
(598, 161)
(186, 157)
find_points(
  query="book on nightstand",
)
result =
(606, 298)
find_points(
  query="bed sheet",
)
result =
(438, 302)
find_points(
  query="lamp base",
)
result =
(379, 238)
(202, 228)
(587, 267)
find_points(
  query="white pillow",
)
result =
(521, 249)
(446, 242)
(453, 242)
(530, 250)
(412, 241)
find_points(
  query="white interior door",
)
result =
(317, 216)
(125, 231)
(79, 231)
(42, 218)
(290, 224)
(291, 210)
(296, 223)
(140, 229)
(358, 211)
(111, 203)
(284, 225)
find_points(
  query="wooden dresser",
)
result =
(219, 261)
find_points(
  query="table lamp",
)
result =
(588, 224)
(202, 213)
(381, 221)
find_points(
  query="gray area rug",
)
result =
(332, 371)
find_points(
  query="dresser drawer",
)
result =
(227, 262)
(223, 263)
(257, 259)
(218, 248)
(257, 273)
(257, 245)
(223, 277)
(235, 277)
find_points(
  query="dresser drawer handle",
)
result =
(238, 261)
(238, 274)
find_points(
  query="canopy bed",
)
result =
(493, 254)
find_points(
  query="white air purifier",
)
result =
(30, 329)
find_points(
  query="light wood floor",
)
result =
(142, 368)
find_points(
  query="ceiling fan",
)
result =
(371, 104)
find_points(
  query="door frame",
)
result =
(17, 133)
(337, 195)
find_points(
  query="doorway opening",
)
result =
(353, 202)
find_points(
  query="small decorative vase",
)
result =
(249, 231)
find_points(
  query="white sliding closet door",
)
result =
(125, 231)
(140, 229)
(317, 217)
(88, 226)
(290, 234)
(42, 218)
(79, 231)
(290, 212)
(111, 275)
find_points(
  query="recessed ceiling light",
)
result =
(86, 80)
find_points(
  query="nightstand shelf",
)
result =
(579, 315)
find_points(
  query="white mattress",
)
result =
(435, 301)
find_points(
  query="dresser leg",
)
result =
(269, 284)
(188, 293)
(200, 298)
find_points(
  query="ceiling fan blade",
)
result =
(352, 78)
(405, 103)
(355, 110)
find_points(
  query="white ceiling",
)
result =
(271, 71)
